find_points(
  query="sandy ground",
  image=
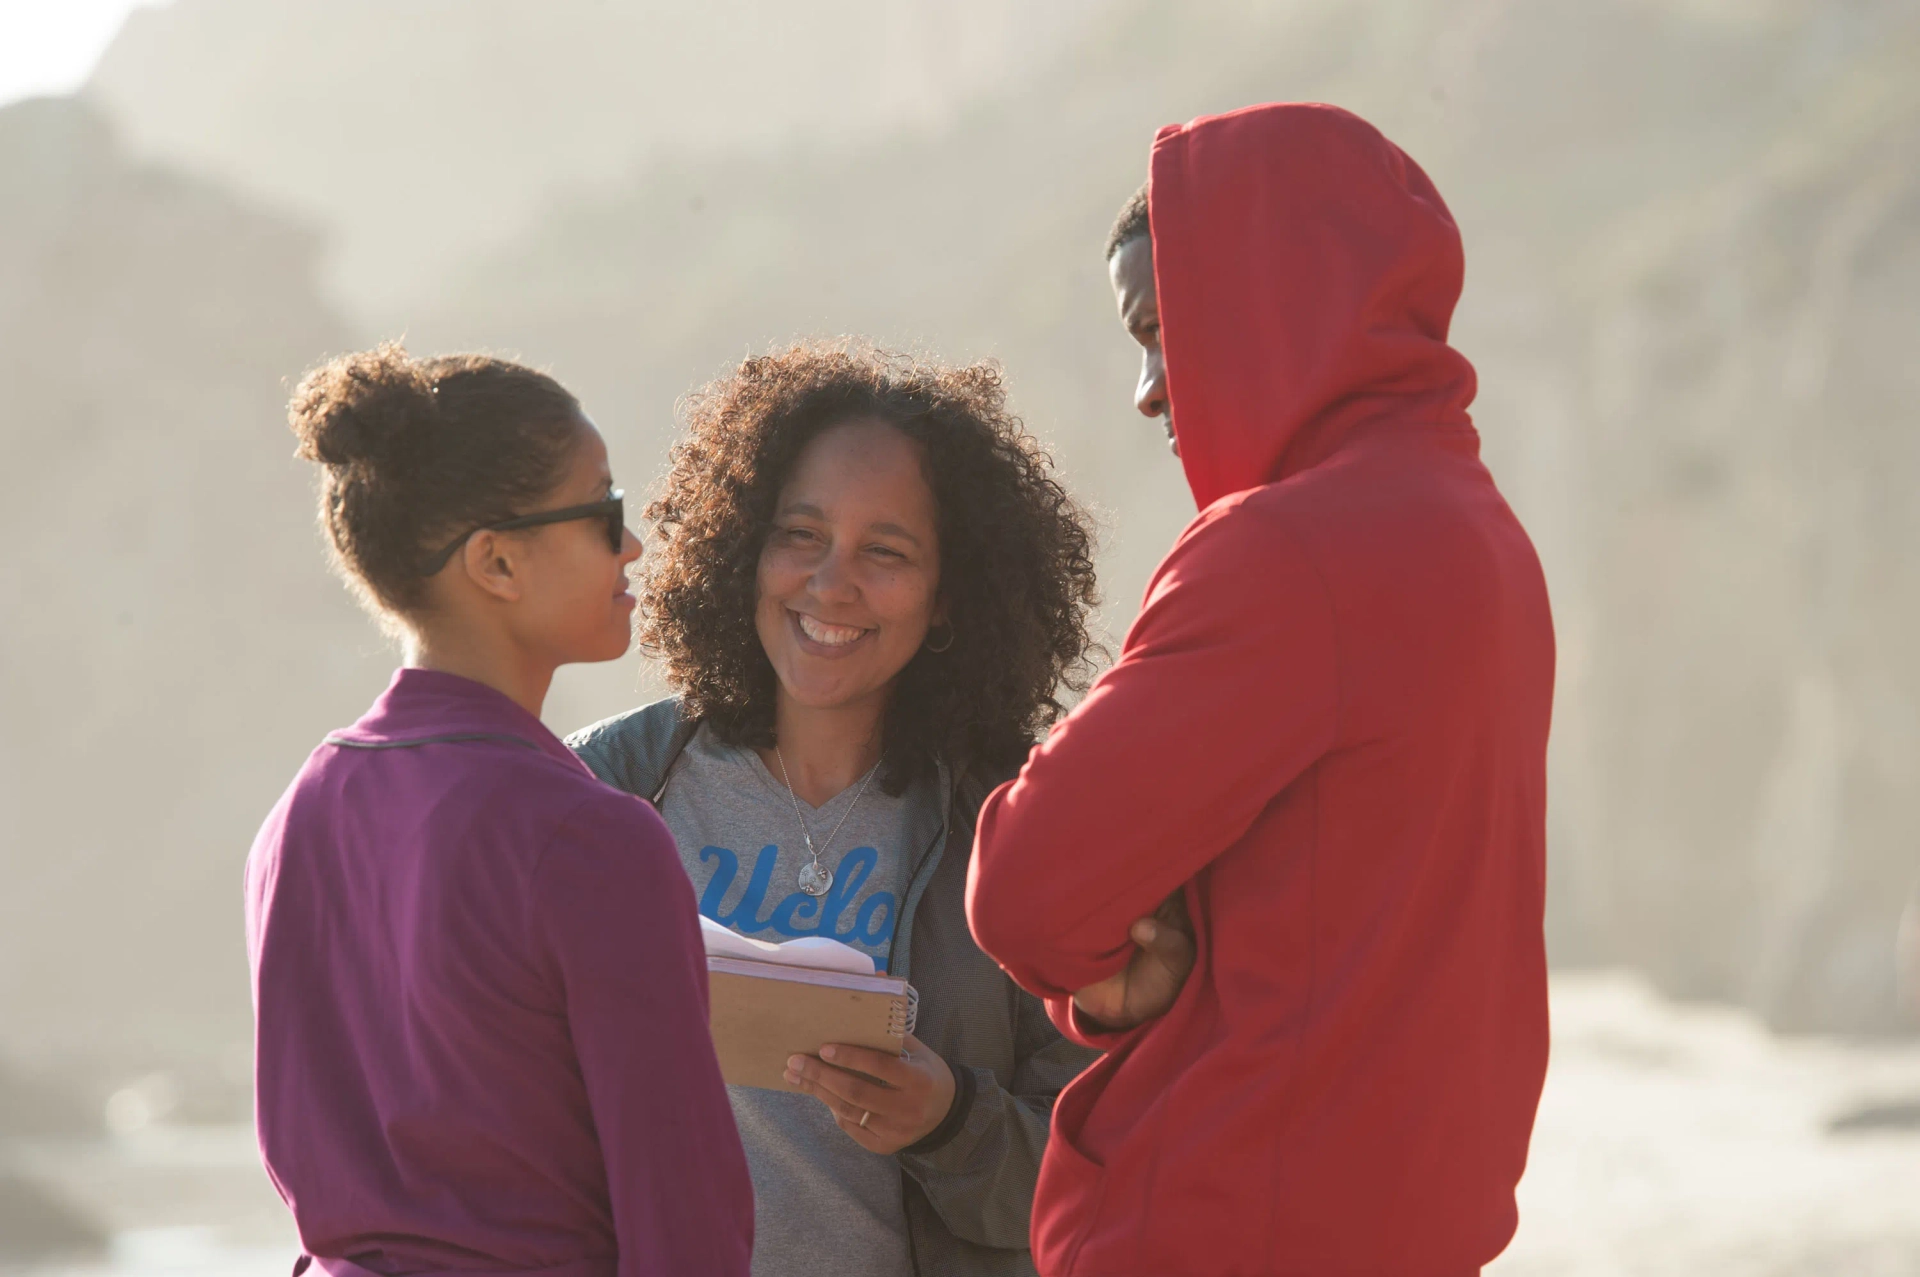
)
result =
(1672, 1140)
(1688, 1141)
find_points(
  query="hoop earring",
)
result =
(946, 645)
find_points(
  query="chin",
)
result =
(611, 648)
(824, 693)
(814, 696)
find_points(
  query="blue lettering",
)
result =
(872, 924)
(784, 912)
(852, 874)
(721, 880)
(866, 931)
(745, 915)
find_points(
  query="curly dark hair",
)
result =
(1016, 555)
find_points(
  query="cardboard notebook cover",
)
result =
(763, 1012)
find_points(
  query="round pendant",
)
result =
(815, 879)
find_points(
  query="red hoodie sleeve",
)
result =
(1226, 689)
(615, 910)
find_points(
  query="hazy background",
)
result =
(1693, 244)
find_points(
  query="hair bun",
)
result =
(374, 408)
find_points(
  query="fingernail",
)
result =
(827, 1053)
(1144, 932)
(795, 1064)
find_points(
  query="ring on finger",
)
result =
(864, 1115)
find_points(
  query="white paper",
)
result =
(816, 953)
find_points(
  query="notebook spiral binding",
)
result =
(904, 1015)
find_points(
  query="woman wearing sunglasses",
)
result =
(478, 981)
(869, 592)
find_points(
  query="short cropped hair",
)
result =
(1132, 223)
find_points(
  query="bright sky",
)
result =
(50, 46)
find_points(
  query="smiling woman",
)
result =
(869, 590)
(938, 485)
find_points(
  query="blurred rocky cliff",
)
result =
(1693, 236)
(422, 130)
(173, 645)
(1749, 589)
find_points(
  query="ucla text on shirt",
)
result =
(799, 914)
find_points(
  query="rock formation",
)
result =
(174, 646)
(423, 131)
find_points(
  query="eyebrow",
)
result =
(812, 511)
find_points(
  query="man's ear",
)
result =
(492, 562)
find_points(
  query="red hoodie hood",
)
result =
(1306, 271)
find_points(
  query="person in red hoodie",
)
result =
(1326, 734)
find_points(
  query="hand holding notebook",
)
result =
(884, 1101)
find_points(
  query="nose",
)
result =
(1150, 397)
(629, 547)
(833, 580)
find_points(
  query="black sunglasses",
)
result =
(613, 508)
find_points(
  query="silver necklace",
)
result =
(816, 878)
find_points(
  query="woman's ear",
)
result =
(491, 562)
(938, 625)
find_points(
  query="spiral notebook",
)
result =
(763, 1012)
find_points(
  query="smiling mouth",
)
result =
(828, 635)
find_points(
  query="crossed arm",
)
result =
(1226, 690)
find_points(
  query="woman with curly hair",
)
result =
(869, 591)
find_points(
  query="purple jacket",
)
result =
(481, 1008)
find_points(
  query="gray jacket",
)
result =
(969, 1185)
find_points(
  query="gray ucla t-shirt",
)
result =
(823, 1206)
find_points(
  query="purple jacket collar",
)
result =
(422, 707)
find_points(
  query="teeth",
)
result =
(831, 635)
